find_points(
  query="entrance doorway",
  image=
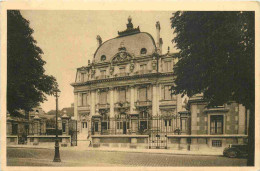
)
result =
(84, 128)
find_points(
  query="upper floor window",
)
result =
(122, 69)
(103, 57)
(103, 97)
(143, 51)
(143, 67)
(167, 94)
(122, 95)
(84, 99)
(143, 94)
(102, 73)
(216, 124)
(168, 66)
(82, 77)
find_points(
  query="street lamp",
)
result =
(57, 151)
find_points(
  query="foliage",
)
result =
(216, 55)
(217, 58)
(27, 84)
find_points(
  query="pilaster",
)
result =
(241, 119)
(132, 99)
(111, 101)
(76, 106)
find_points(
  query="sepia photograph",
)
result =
(130, 88)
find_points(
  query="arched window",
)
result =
(103, 57)
(143, 51)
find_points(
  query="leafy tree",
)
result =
(27, 85)
(217, 57)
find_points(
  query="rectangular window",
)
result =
(122, 95)
(167, 93)
(122, 69)
(216, 143)
(170, 122)
(84, 99)
(102, 72)
(103, 97)
(165, 122)
(143, 125)
(143, 67)
(143, 94)
(216, 124)
(183, 125)
(168, 66)
(96, 126)
(118, 125)
(104, 125)
(82, 75)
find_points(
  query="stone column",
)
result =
(76, 106)
(132, 99)
(92, 103)
(154, 101)
(194, 144)
(111, 101)
(9, 127)
(112, 111)
(179, 103)
(36, 125)
(241, 119)
(59, 123)
(36, 129)
(65, 119)
(193, 119)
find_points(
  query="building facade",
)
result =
(123, 99)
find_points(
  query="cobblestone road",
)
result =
(44, 157)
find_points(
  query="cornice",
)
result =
(121, 78)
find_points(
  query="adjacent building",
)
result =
(123, 99)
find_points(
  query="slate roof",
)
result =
(133, 44)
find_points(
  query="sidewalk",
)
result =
(152, 151)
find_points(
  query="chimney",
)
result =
(99, 41)
(158, 38)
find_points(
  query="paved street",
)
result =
(70, 157)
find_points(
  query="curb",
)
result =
(122, 151)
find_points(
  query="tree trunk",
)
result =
(251, 138)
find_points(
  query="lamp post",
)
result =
(57, 151)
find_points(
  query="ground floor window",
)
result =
(143, 125)
(96, 126)
(216, 124)
(216, 143)
(104, 125)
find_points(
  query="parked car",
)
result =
(235, 150)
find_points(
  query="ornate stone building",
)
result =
(123, 97)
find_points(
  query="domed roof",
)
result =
(133, 44)
(131, 41)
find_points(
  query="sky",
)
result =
(68, 40)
